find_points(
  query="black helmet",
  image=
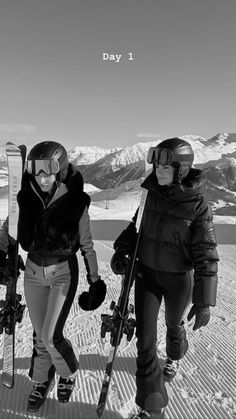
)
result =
(174, 152)
(49, 157)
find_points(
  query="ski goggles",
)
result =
(162, 156)
(48, 167)
(166, 157)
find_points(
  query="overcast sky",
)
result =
(55, 84)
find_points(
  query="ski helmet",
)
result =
(48, 157)
(175, 152)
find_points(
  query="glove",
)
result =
(119, 262)
(94, 297)
(201, 313)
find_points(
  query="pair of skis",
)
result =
(11, 310)
(120, 322)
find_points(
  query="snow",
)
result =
(205, 385)
(90, 189)
(88, 155)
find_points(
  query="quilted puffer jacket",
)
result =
(178, 233)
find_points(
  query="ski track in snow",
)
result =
(205, 385)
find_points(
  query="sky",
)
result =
(175, 74)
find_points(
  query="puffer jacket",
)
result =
(51, 232)
(178, 233)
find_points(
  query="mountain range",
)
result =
(215, 156)
(123, 169)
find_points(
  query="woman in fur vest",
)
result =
(53, 225)
(177, 263)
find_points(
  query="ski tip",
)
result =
(11, 145)
(12, 148)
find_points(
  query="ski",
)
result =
(121, 321)
(11, 310)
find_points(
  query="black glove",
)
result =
(119, 262)
(94, 297)
(201, 313)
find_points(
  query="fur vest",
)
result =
(51, 229)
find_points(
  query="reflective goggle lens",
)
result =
(161, 156)
(49, 167)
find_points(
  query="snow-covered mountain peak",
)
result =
(81, 155)
(205, 151)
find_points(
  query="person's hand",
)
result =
(201, 313)
(94, 297)
(119, 262)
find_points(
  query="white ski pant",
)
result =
(49, 293)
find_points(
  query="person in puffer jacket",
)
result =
(177, 262)
(53, 225)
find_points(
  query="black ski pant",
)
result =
(150, 289)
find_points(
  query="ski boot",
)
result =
(170, 369)
(65, 388)
(38, 395)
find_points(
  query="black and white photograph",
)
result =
(117, 209)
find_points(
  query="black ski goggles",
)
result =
(162, 156)
(48, 167)
(166, 157)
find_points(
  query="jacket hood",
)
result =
(192, 186)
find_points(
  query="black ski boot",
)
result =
(65, 388)
(38, 395)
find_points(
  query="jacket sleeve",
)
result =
(205, 257)
(127, 239)
(86, 247)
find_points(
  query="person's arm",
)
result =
(87, 247)
(94, 297)
(205, 257)
(124, 246)
(127, 238)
